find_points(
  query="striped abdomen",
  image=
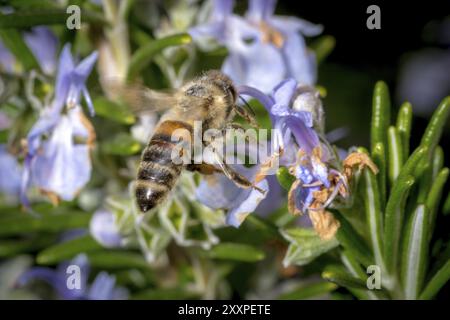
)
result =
(157, 173)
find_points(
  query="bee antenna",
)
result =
(247, 105)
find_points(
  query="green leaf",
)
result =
(14, 42)
(379, 158)
(121, 144)
(355, 269)
(395, 153)
(434, 196)
(436, 125)
(113, 111)
(23, 223)
(446, 208)
(310, 291)
(374, 215)
(117, 260)
(67, 250)
(305, 245)
(32, 4)
(438, 162)
(381, 111)
(285, 178)
(322, 47)
(31, 18)
(415, 252)
(437, 282)
(264, 226)
(351, 240)
(9, 248)
(142, 57)
(404, 121)
(338, 274)
(395, 211)
(237, 252)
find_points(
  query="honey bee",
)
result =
(210, 98)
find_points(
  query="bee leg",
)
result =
(203, 168)
(235, 127)
(236, 177)
(250, 118)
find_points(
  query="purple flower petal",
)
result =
(102, 288)
(246, 203)
(222, 8)
(43, 43)
(259, 65)
(103, 228)
(61, 167)
(7, 59)
(264, 99)
(301, 63)
(259, 10)
(222, 193)
(284, 91)
(306, 138)
(294, 24)
(304, 174)
(10, 173)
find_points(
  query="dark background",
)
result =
(362, 57)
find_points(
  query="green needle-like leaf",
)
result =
(437, 282)
(23, 223)
(379, 158)
(338, 274)
(264, 226)
(436, 125)
(434, 196)
(114, 111)
(113, 259)
(404, 123)
(237, 252)
(9, 248)
(374, 215)
(143, 55)
(355, 269)
(67, 250)
(322, 47)
(412, 163)
(415, 252)
(14, 42)
(381, 111)
(121, 145)
(305, 245)
(438, 162)
(394, 217)
(310, 291)
(394, 214)
(31, 18)
(446, 208)
(351, 240)
(285, 178)
(395, 153)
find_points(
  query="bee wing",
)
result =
(141, 99)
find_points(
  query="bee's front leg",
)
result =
(250, 118)
(203, 168)
(238, 179)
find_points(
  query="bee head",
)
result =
(222, 81)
